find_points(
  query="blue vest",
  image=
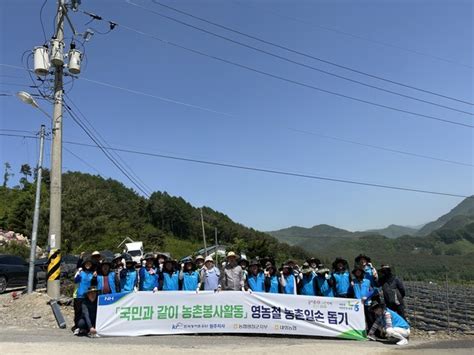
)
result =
(324, 287)
(256, 283)
(190, 281)
(84, 280)
(397, 320)
(148, 281)
(170, 282)
(342, 283)
(307, 286)
(368, 275)
(128, 280)
(289, 289)
(362, 289)
(111, 278)
(274, 284)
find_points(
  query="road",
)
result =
(47, 341)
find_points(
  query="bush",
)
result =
(14, 248)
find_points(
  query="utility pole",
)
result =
(56, 157)
(34, 233)
(217, 248)
(203, 233)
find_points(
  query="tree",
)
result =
(7, 174)
(25, 170)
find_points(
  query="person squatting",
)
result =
(380, 291)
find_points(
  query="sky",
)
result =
(255, 120)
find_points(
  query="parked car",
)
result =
(14, 272)
(68, 265)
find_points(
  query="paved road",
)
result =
(55, 341)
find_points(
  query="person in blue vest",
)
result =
(255, 278)
(106, 278)
(370, 273)
(148, 275)
(272, 282)
(189, 276)
(84, 278)
(389, 324)
(323, 282)
(360, 286)
(128, 275)
(210, 275)
(340, 278)
(169, 278)
(306, 281)
(287, 280)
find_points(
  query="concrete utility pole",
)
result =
(56, 159)
(34, 233)
(203, 233)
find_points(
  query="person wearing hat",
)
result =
(160, 261)
(360, 286)
(86, 324)
(393, 290)
(272, 282)
(314, 262)
(106, 277)
(96, 257)
(129, 275)
(255, 278)
(117, 266)
(189, 277)
(169, 278)
(232, 275)
(210, 275)
(199, 262)
(341, 278)
(148, 275)
(323, 282)
(287, 280)
(370, 273)
(389, 323)
(244, 264)
(306, 281)
(83, 278)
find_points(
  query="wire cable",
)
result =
(270, 10)
(264, 170)
(41, 21)
(104, 142)
(105, 151)
(290, 60)
(304, 54)
(281, 78)
(233, 116)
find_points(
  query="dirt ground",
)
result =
(28, 326)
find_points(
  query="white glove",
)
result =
(250, 291)
(197, 290)
(135, 289)
(155, 289)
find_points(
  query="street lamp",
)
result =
(28, 99)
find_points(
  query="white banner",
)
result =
(179, 312)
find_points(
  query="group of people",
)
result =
(380, 291)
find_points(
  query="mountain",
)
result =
(465, 208)
(295, 235)
(392, 231)
(99, 213)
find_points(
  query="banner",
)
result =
(179, 312)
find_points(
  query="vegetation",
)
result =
(99, 213)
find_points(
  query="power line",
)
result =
(104, 150)
(305, 54)
(285, 58)
(41, 20)
(291, 80)
(269, 9)
(82, 160)
(229, 115)
(264, 170)
(104, 142)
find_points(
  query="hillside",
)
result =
(99, 213)
(465, 208)
(392, 231)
